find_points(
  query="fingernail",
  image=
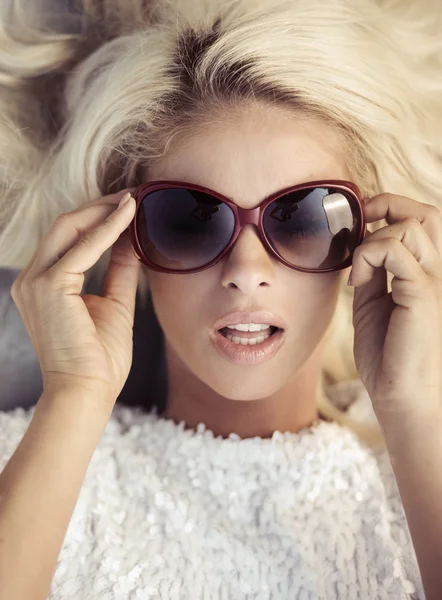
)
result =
(365, 200)
(124, 200)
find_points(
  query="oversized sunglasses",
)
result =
(313, 227)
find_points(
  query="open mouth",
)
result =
(248, 338)
(248, 347)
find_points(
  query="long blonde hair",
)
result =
(91, 92)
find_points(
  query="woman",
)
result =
(324, 121)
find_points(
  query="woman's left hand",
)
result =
(398, 334)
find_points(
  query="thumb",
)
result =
(122, 275)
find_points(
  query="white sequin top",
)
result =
(174, 514)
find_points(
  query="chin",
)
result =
(245, 388)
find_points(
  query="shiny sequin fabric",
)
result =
(167, 513)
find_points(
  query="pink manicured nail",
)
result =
(124, 200)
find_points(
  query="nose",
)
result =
(248, 266)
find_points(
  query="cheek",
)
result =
(179, 303)
(327, 291)
(311, 289)
(168, 297)
(310, 307)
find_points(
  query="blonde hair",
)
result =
(91, 93)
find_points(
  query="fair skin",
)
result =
(84, 345)
(246, 158)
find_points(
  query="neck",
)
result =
(291, 408)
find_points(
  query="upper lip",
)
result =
(260, 316)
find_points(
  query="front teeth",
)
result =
(249, 326)
(247, 341)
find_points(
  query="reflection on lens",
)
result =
(183, 229)
(312, 229)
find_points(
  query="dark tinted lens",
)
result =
(183, 229)
(313, 229)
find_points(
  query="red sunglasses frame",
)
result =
(243, 216)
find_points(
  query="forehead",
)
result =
(249, 154)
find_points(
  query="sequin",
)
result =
(167, 513)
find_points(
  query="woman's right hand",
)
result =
(82, 341)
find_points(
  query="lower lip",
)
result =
(248, 355)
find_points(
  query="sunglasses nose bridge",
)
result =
(248, 216)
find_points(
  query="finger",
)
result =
(394, 257)
(122, 275)
(65, 232)
(394, 208)
(26, 270)
(92, 246)
(61, 239)
(414, 237)
(112, 199)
